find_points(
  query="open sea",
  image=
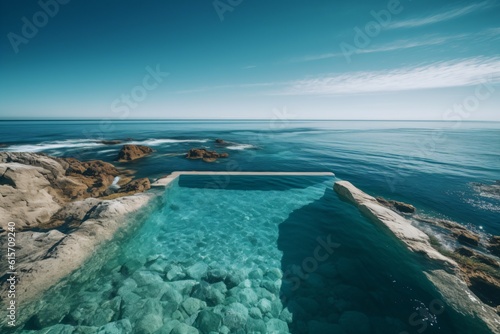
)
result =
(270, 254)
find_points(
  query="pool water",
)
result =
(256, 255)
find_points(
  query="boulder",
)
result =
(207, 322)
(205, 155)
(235, 316)
(133, 152)
(191, 305)
(197, 270)
(277, 326)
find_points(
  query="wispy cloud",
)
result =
(249, 67)
(402, 44)
(393, 46)
(465, 72)
(440, 17)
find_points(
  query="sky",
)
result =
(246, 59)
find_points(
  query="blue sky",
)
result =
(426, 59)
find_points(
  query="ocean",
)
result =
(241, 255)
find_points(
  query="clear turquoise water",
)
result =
(280, 256)
(261, 234)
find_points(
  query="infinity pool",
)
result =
(250, 255)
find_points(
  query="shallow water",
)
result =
(263, 255)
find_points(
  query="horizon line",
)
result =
(237, 119)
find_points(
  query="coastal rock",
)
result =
(484, 285)
(469, 253)
(494, 245)
(415, 239)
(133, 152)
(399, 206)
(457, 282)
(205, 155)
(135, 186)
(466, 237)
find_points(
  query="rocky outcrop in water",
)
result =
(133, 152)
(40, 193)
(457, 273)
(205, 155)
(36, 186)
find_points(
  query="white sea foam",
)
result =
(115, 185)
(241, 147)
(157, 142)
(52, 145)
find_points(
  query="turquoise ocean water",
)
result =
(271, 254)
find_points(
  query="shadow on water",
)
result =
(344, 275)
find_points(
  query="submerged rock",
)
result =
(207, 322)
(276, 326)
(235, 316)
(197, 270)
(133, 152)
(184, 329)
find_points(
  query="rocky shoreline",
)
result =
(460, 276)
(64, 210)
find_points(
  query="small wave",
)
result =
(157, 142)
(241, 147)
(53, 145)
(107, 151)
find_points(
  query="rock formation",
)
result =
(205, 155)
(35, 186)
(40, 193)
(456, 274)
(133, 152)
